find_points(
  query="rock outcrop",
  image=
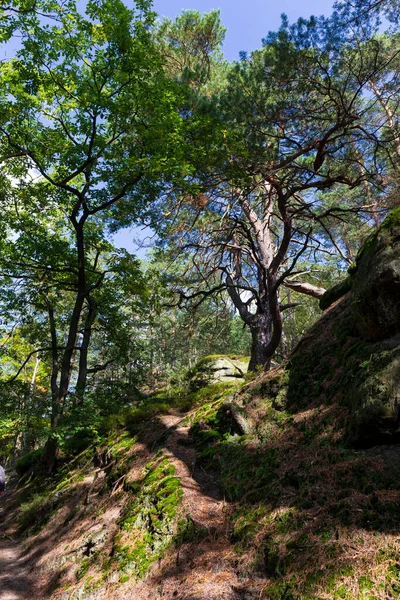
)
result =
(374, 282)
(351, 356)
(217, 369)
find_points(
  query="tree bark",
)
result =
(83, 356)
(51, 446)
(261, 329)
(305, 288)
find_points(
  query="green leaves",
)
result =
(87, 99)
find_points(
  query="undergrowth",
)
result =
(314, 519)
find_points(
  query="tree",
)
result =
(22, 403)
(38, 284)
(366, 14)
(89, 109)
(292, 123)
(176, 338)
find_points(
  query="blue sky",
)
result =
(247, 22)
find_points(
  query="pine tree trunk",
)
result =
(261, 337)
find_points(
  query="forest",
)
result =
(235, 388)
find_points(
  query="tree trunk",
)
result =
(261, 330)
(50, 451)
(25, 437)
(83, 357)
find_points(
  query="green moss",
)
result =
(365, 584)
(270, 385)
(282, 590)
(84, 567)
(352, 268)
(392, 220)
(367, 249)
(133, 562)
(247, 521)
(152, 517)
(207, 359)
(177, 399)
(373, 393)
(189, 531)
(212, 393)
(209, 423)
(122, 443)
(245, 471)
(204, 373)
(341, 592)
(393, 576)
(212, 357)
(271, 418)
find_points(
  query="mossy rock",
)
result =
(351, 356)
(334, 365)
(376, 282)
(215, 369)
(374, 397)
(149, 521)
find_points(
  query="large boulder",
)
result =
(351, 356)
(376, 282)
(217, 369)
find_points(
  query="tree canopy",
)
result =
(260, 178)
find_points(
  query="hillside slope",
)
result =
(284, 487)
(195, 509)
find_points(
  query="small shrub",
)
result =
(30, 461)
(79, 441)
(35, 512)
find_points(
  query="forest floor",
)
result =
(16, 579)
(44, 566)
(303, 517)
(204, 568)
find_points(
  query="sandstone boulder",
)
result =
(351, 356)
(217, 369)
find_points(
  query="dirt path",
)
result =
(15, 581)
(202, 569)
(201, 493)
